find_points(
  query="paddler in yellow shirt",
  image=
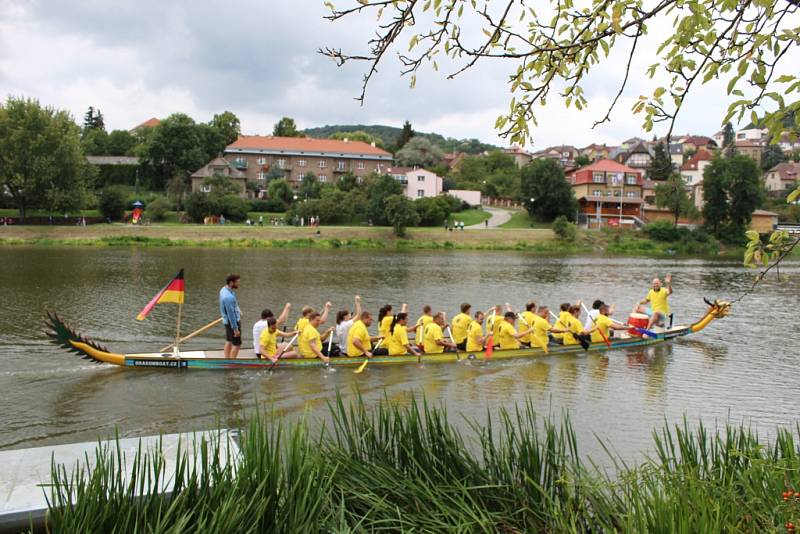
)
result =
(359, 342)
(658, 297)
(475, 338)
(602, 325)
(526, 321)
(397, 341)
(507, 335)
(307, 310)
(495, 320)
(573, 324)
(434, 342)
(419, 327)
(460, 325)
(309, 344)
(385, 318)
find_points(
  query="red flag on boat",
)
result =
(172, 292)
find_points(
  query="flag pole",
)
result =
(175, 351)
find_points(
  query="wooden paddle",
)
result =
(195, 333)
(366, 360)
(450, 333)
(595, 325)
(282, 351)
(644, 331)
(544, 348)
(490, 338)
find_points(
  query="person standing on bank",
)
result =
(231, 316)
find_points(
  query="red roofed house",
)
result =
(782, 178)
(328, 159)
(149, 123)
(608, 193)
(692, 174)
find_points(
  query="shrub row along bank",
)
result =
(402, 469)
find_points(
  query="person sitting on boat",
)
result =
(385, 319)
(527, 320)
(573, 324)
(603, 325)
(359, 342)
(419, 326)
(507, 335)
(344, 320)
(475, 337)
(658, 298)
(268, 342)
(434, 342)
(397, 341)
(495, 319)
(593, 313)
(543, 330)
(309, 344)
(231, 316)
(460, 324)
(262, 324)
(562, 322)
(306, 311)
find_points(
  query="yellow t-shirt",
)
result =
(398, 340)
(474, 334)
(562, 323)
(419, 332)
(308, 335)
(493, 325)
(386, 324)
(658, 301)
(433, 333)
(358, 331)
(460, 324)
(540, 329)
(301, 324)
(269, 340)
(505, 336)
(602, 322)
(525, 324)
(575, 327)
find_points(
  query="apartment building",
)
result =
(608, 192)
(417, 183)
(294, 157)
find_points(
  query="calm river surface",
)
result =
(742, 369)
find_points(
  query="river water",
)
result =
(741, 369)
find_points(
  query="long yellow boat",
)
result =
(62, 334)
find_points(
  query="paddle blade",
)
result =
(361, 367)
(583, 339)
(489, 346)
(646, 332)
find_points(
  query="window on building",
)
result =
(632, 194)
(322, 164)
(687, 178)
(420, 193)
(340, 165)
(300, 177)
(599, 178)
(630, 179)
(421, 178)
(262, 175)
(261, 161)
(617, 193)
(359, 179)
(360, 165)
(639, 160)
(301, 163)
(281, 163)
(609, 193)
(597, 193)
(741, 135)
(323, 178)
(205, 188)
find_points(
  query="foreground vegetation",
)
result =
(408, 468)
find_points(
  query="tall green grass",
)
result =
(407, 468)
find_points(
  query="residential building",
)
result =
(750, 148)
(692, 170)
(473, 198)
(676, 155)
(750, 133)
(452, 159)
(596, 152)
(521, 156)
(149, 123)
(693, 143)
(782, 178)
(608, 192)
(789, 143)
(222, 167)
(417, 183)
(294, 157)
(564, 154)
(638, 156)
(649, 191)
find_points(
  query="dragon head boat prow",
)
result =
(716, 310)
(66, 337)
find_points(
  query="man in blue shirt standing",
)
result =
(231, 316)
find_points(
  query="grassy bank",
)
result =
(408, 469)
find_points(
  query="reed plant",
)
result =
(388, 467)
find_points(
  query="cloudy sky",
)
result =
(144, 58)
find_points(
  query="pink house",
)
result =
(418, 183)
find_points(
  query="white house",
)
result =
(692, 174)
(418, 183)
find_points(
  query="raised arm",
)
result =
(404, 308)
(325, 311)
(358, 308)
(668, 282)
(287, 308)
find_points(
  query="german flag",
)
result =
(172, 292)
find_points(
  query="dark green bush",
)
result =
(664, 231)
(200, 205)
(273, 205)
(113, 202)
(235, 208)
(157, 209)
(564, 229)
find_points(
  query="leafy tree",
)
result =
(377, 190)
(400, 213)
(200, 205)
(333, 207)
(732, 191)
(565, 230)
(309, 186)
(120, 143)
(728, 135)
(419, 152)
(235, 208)
(358, 135)
(94, 142)
(582, 161)
(286, 128)
(431, 211)
(93, 120)
(553, 49)
(672, 194)
(280, 190)
(113, 202)
(227, 123)
(157, 209)
(543, 181)
(41, 162)
(771, 156)
(347, 182)
(661, 165)
(405, 136)
(495, 174)
(274, 173)
(221, 185)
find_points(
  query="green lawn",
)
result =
(11, 212)
(469, 217)
(521, 219)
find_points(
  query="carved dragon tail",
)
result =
(67, 338)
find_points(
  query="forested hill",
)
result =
(390, 134)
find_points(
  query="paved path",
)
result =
(498, 217)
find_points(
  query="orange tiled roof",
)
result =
(149, 123)
(269, 143)
(694, 161)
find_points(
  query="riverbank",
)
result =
(537, 240)
(408, 468)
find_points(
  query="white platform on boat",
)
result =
(26, 473)
(244, 354)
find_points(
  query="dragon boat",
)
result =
(66, 337)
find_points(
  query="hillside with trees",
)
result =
(391, 134)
